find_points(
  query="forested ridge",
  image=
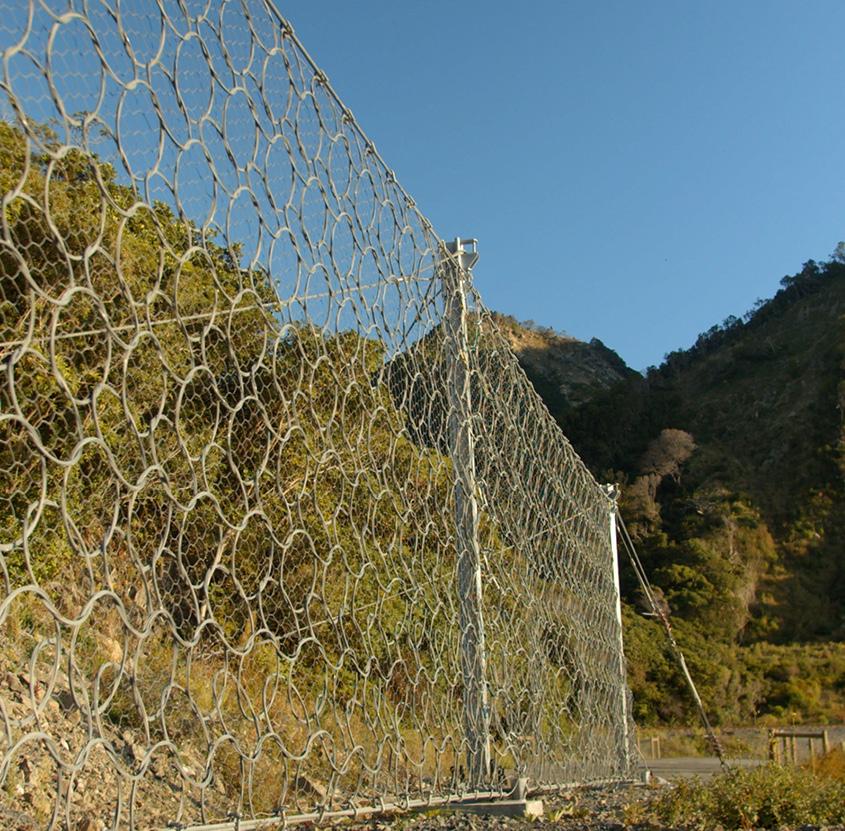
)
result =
(730, 460)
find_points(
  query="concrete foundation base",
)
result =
(526, 808)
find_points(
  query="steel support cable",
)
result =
(660, 613)
(272, 305)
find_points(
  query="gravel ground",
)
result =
(585, 809)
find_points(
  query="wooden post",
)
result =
(473, 654)
(783, 744)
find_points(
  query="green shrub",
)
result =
(764, 797)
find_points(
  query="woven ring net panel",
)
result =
(253, 417)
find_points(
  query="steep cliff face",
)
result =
(565, 371)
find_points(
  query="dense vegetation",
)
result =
(730, 456)
(769, 797)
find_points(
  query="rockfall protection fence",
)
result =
(284, 527)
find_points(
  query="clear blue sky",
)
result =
(634, 171)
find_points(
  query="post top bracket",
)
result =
(466, 251)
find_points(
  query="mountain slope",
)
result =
(730, 456)
(565, 371)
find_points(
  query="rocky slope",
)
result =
(565, 371)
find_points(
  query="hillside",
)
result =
(730, 456)
(565, 371)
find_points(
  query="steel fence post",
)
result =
(459, 257)
(623, 738)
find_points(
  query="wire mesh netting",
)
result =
(283, 525)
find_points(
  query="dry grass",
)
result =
(832, 765)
